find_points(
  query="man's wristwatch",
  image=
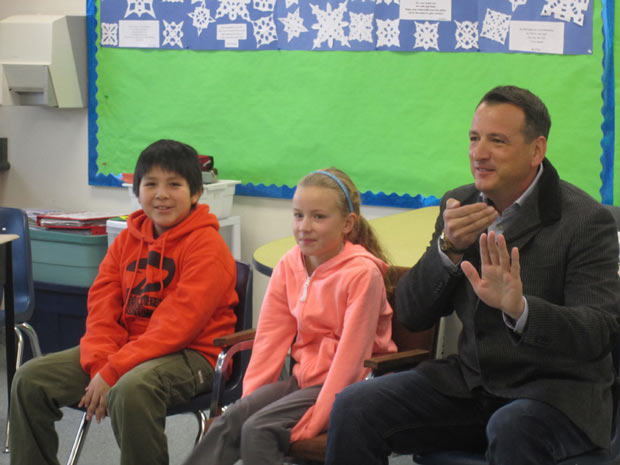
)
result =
(446, 246)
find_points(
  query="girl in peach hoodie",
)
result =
(326, 302)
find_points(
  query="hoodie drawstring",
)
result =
(161, 264)
(133, 280)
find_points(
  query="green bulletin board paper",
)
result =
(396, 122)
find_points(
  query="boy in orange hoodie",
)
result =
(164, 291)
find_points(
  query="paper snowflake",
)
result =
(495, 26)
(516, 3)
(109, 34)
(426, 35)
(330, 25)
(293, 25)
(265, 30)
(173, 32)
(201, 18)
(264, 5)
(233, 8)
(389, 2)
(466, 34)
(388, 32)
(566, 10)
(140, 7)
(360, 27)
(291, 2)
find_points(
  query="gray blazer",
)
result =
(568, 249)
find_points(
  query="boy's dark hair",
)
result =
(172, 156)
(537, 119)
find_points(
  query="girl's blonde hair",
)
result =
(362, 232)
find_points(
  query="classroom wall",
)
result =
(49, 163)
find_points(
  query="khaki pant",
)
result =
(137, 404)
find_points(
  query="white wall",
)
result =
(48, 153)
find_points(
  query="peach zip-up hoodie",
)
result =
(155, 296)
(338, 317)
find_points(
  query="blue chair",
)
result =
(224, 391)
(15, 221)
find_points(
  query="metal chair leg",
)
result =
(18, 362)
(20, 330)
(78, 443)
(6, 437)
(29, 331)
(202, 418)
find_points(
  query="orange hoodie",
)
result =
(338, 317)
(155, 296)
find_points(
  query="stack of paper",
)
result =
(79, 222)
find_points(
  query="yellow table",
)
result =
(404, 237)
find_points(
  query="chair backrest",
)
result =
(614, 448)
(15, 221)
(402, 337)
(243, 310)
(615, 212)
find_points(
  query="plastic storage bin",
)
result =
(59, 317)
(66, 258)
(114, 228)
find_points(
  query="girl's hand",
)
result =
(305, 427)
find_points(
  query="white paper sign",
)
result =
(427, 10)
(142, 34)
(231, 34)
(536, 36)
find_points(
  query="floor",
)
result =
(100, 446)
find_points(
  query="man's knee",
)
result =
(351, 405)
(515, 420)
(520, 422)
(347, 400)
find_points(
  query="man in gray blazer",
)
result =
(529, 263)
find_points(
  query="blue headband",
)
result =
(339, 182)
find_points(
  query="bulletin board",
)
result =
(397, 122)
(542, 26)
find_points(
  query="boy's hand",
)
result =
(94, 399)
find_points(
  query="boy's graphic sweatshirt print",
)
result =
(156, 296)
(337, 317)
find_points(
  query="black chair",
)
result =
(615, 212)
(598, 457)
(15, 221)
(224, 391)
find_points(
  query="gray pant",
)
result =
(256, 428)
(137, 403)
